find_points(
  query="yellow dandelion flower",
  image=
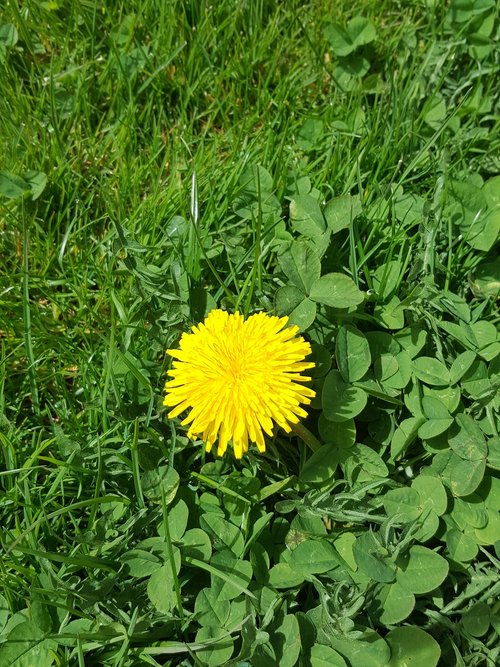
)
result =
(237, 377)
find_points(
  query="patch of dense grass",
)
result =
(337, 164)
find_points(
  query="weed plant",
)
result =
(336, 162)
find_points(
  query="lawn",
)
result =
(336, 163)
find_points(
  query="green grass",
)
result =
(185, 146)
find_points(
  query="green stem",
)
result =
(306, 436)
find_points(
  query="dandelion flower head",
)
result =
(237, 377)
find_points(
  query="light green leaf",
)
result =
(301, 311)
(210, 610)
(140, 563)
(282, 575)
(352, 353)
(386, 279)
(288, 636)
(223, 532)
(341, 211)
(314, 557)
(321, 465)
(336, 290)
(405, 435)
(161, 482)
(464, 476)
(432, 493)
(395, 603)
(373, 559)
(431, 371)
(462, 546)
(325, 656)
(301, 265)
(306, 216)
(367, 649)
(26, 647)
(13, 186)
(412, 646)
(476, 619)
(161, 589)
(469, 443)
(196, 544)
(341, 401)
(340, 434)
(217, 652)
(404, 504)
(391, 314)
(421, 570)
(8, 36)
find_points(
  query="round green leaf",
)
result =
(341, 211)
(464, 476)
(470, 513)
(391, 314)
(322, 360)
(306, 216)
(469, 443)
(219, 645)
(8, 35)
(342, 434)
(177, 521)
(161, 589)
(434, 427)
(210, 610)
(303, 315)
(404, 504)
(486, 279)
(395, 603)
(412, 339)
(431, 371)
(223, 532)
(400, 378)
(491, 532)
(229, 575)
(462, 547)
(421, 570)
(367, 649)
(287, 636)
(448, 396)
(283, 576)
(461, 365)
(301, 265)
(26, 647)
(368, 461)
(428, 525)
(434, 409)
(432, 493)
(300, 310)
(12, 186)
(476, 620)
(344, 544)
(494, 453)
(313, 557)
(405, 435)
(196, 544)
(373, 559)
(340, 400)
(325, 656)
(160, 483)
(140, 563)
(352, 353)
(336, 290)
(412, 646)
(321, 465)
